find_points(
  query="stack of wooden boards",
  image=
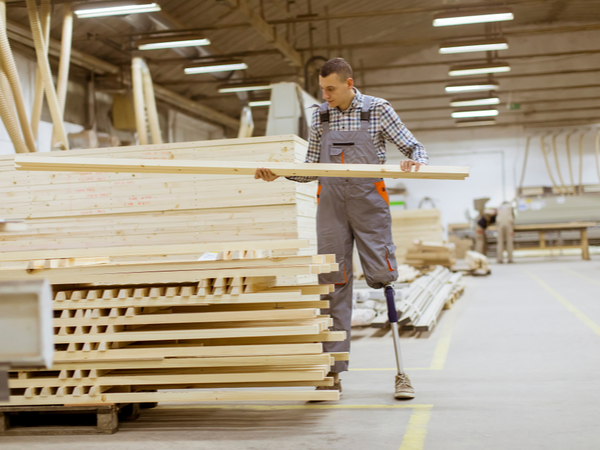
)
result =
(223, 324)
(420, 305)
(423, 253)
(68, 210)
(410, 225)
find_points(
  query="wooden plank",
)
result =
(73, 164)
(175, 397)
(151, 250)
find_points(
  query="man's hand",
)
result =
(407, 165)
(265, 174)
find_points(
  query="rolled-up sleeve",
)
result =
(395, 131)
(314, 147)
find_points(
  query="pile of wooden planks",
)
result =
(409, 225)
(220, 324)
(423, 253)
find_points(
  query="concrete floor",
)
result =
(515, 364)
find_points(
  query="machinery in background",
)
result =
(26, 332)
(290, 111)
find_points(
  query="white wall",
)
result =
(495, 157)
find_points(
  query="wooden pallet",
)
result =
(58, 420)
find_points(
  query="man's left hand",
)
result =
(407, 165)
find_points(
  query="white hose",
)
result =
(38, 96)
(9, 117)
(527, 144)
(568, 141)
(138, 100)
(598, 154)
(10, 69)
(65, 60)
(543, 144)
(36, 32)
(151, 104)
(563, 188)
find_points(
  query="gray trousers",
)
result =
(353, 212)
(505, 237)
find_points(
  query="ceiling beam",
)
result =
(22, 34)
(268, 32)
(531, 124)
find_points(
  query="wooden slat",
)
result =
(73, 164)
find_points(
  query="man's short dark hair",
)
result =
(339, 66)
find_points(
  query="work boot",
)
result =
(404, 389)
(337, 384)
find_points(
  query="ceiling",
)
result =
(392, 45)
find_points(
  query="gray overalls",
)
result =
(352, 209)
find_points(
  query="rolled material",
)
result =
(38, 96)
(36, 32)
(151, 105)
(7, 113)
(13, 77)
(138, 100)
(65, 61)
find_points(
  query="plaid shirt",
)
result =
(385, 126)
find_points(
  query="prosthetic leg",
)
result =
(404, 389)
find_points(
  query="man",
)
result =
(505, 220)
(352, 128)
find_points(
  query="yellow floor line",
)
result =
(290, 407)
(581, 316)
(416, 430)
(591, 280)
(439, 355)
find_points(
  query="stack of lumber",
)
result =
(477, 262)
(420, 305)
(409, 225)
(423, 253)
(215, 328)
(93, 210)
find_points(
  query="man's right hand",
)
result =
(265, 174)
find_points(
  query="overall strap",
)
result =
(324, 116)
(365, 114)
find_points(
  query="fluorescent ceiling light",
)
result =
(473, 46)
(479, 69)
(260, 103)
(115, 9)
(465, 18)
(475, 123)
(459, 102)
(225, 89)
(216, 67)
(483, 86)
(481, 113)
(174, 44)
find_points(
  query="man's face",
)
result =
(336, 91)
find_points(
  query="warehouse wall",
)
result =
(495, 157)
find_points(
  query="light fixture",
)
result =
(473, 86)
(480, 113)
(216, 67)
(469, 17)
(478, 69)
(156, 44)
(473, 46)
(228, 88)
(259, 103)
(474, 101)
(475, 123)
(102, 9)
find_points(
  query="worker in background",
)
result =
(505, 219)
(481, 224)
(353, 128)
